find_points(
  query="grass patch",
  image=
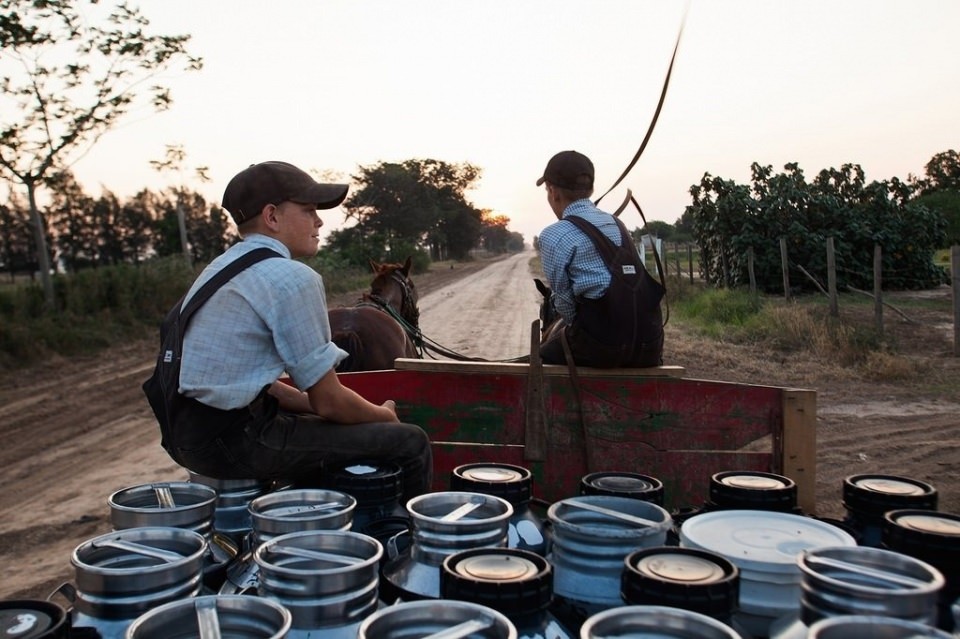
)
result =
(803, 325)
(99, 308)
(716, 313)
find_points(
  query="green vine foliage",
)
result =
(730, 219)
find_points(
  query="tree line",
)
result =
(910, 220)
(416, 207)
(73, 69)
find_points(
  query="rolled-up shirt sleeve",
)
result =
(302, 331)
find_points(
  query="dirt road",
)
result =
(486, 314)
(74, 431)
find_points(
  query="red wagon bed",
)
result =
(651, 421)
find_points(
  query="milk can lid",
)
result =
(26, 619)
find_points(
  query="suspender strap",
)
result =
(607, 249)
(225, 275)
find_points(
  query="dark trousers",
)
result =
(592, 353)
(262, 442)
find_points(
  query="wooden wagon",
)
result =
(655, 421)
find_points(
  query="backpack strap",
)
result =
(226, 274)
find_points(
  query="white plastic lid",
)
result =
(759, 539)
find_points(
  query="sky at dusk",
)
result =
(331, 85)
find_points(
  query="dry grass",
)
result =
(912, 348)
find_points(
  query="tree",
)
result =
(175, 157)
(70, 70)
(946, 204)
(415, 203)
(940, 191)
(138, 217)
(210, 229)
(659, 228)
(495, 234)
(70, 215)
(729, 219)
(206, 224)
(17, 250)
(943, 172)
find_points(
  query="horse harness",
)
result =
(408, 316)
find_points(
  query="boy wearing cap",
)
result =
(605, 325)
(270, 319)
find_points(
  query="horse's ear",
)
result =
(407, 264)
(374, 266)
(543, 288)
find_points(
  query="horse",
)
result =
(382, 326)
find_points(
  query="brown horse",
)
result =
(378, 329)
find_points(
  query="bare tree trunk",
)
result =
(182, 223)
(40, 236)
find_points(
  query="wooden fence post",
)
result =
(785, 267)
(878, 288)
(750, 273)
(676, 259)
(690, 260)
(724, 264)
(832, 279)
(955, 278)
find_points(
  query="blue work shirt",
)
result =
(268, 320)
(570, 261)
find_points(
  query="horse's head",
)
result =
(393, 287)
(548, 315)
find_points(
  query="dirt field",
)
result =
(74, 431)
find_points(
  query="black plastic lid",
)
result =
(512, 483)
(509, 580)
(753, 490)
(621, 484)
(370, 483)
(929, 536)
(30, 618)
(687, 578)
(873, 495)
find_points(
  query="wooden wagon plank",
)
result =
(666, 413)
(799, 448)
(448, 366)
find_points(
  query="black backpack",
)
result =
(162, 388)
(625, 326)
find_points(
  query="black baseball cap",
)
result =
(274, 182)
(569, 170)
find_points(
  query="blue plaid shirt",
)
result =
(570, 261)
(269, 319)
